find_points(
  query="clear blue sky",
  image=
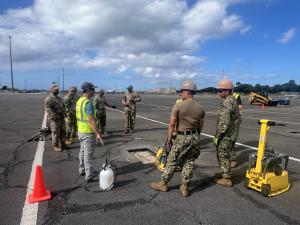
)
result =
(149, 44)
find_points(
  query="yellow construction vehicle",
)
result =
(261, 99)
(267, 172)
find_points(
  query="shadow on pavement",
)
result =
(197, 185)
(133, 167)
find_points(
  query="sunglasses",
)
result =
(182, 90)
(222, 90)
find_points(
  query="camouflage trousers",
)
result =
(58, 132)
(223, 157)
(236, 134)
(71, 125)
(129, 119)
(101, 120)
(185, 150)
(232, 152)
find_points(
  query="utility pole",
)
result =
(11, 69)
(58, 81)
(63, 81)
(25, 85)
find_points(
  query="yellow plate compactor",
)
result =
(267, 172)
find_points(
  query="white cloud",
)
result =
(288, 36)
(245, 30)
(152, 38)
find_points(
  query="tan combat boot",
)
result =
(224, 181)
(69, 141)
(184, 189)
(160, 186)
(233, 164)
(57, 148)
(74, 139)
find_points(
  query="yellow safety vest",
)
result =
(81, 116)
(179, 100)
(236, 95)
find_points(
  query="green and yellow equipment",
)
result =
(267, 172)
(161, 157)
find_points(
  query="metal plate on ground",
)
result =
(144, 155)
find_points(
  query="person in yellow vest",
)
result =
(238, 98)
(88, 132)
(233, 158)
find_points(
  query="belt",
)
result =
(189, 132)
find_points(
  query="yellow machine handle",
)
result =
(265, 125)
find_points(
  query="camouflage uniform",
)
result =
(185, 150)
(99, 104)
(228, 120)
(71, 122)
(56, 118)
(130, 110)
(186, 147)
(238, 123)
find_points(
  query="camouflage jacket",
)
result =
(70, 103)
(99, 102)
(228, 119)
(130, 99)
(54, 106)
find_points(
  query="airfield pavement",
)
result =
(131, 201)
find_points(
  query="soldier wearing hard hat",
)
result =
(70, 106)
(99, 103)
(54, 107)
(228, 118)
(129, 102)
(186, 119)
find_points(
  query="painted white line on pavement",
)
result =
(243, 116)
(277, 121)
(167, 107)
(207, 135)
(256, 118)
(29, 216)
(274, 112)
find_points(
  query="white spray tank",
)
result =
(107, 177)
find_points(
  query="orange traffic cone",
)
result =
(39, 191)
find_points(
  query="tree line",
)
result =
(291, 86)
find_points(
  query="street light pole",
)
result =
(11, 69)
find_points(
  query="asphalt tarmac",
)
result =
(131, 201)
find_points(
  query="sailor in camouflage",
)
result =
(129, 102)
(233, 158)
(70, 107)
(187, 120)
(228, 119)
(99, 103)
(54, 107)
